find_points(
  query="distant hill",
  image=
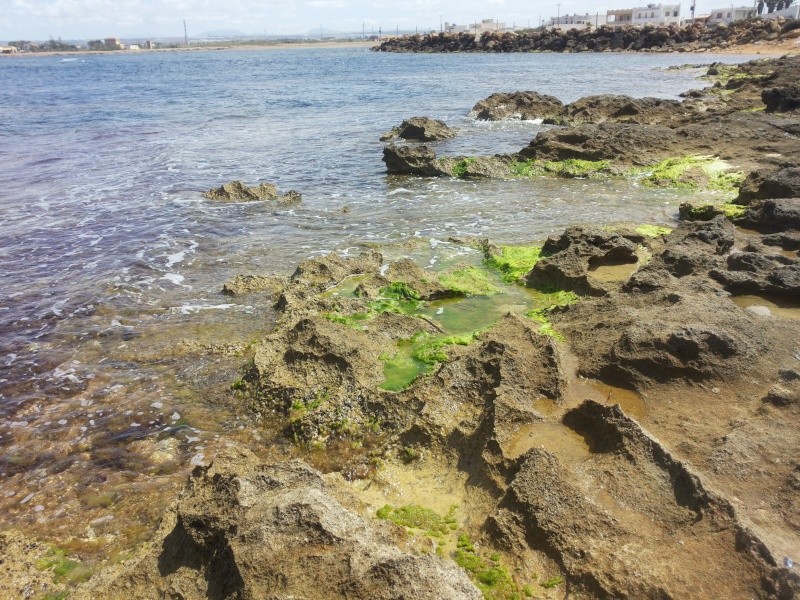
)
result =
(220, 33)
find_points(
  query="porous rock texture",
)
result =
(243, 529)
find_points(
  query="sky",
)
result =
(89, 19)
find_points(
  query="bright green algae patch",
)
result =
(490, 575)
(571, 167)
(395, 298)
(461, 166)
(417, 356)
(652, 231)
(514, 261)
(417, 517)
(470, 281)
(693, 172)
(545, 304)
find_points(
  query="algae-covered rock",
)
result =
(245, 529)
(236, 191)
(420, 129)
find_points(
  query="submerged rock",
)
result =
(244, 529)
(420, 129)
(236, 191)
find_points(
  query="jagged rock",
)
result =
(569, 259)
(236, 191)
(769, 184)
(413, 160)
(420, 129)
(243, 529)
(518, 105)
(247, 284)
(696, 247)
(787, 391)
(782, 99)
(620, 142)
(598, 534)
(773, 215)
(321, 273)
(622, 109)
(756, 272)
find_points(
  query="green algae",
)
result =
(426, 520)
(570, 167)
(489, 574)
(64, 569)
(652, 231)
(514, 261)
(461, 166)
(418, 356)
(692, 172)
(553, 582)
(397, 297)
(401, 369)
(540, 315)
(733, 211)
(470, 281)
(545, 303)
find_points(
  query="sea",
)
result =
(117, 347)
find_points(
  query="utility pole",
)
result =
(441, 29)
(185, 34)
(363, 29)
(558, 12)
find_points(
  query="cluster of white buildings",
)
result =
(657, 14)
(664, 14)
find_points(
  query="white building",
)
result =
(793, 12)
(730, 14)
(655, 14)
(487, 25)
(577, 21)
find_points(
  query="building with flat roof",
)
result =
(577, 21)
(656, 14)
(487, 25)
(729, 14)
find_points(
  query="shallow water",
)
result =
(117, 349)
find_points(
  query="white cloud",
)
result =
(82, 19)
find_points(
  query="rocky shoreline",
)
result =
(650, 38)
(612, 413)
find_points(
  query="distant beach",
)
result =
(308, 45)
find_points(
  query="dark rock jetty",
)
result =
(673, 38)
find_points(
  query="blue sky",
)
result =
(82, 19)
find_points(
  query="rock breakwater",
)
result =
(649, 38)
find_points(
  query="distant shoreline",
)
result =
(327, 45)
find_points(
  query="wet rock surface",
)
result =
(518, 105)
(237, 191)
(704, 141)
(420, 129)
